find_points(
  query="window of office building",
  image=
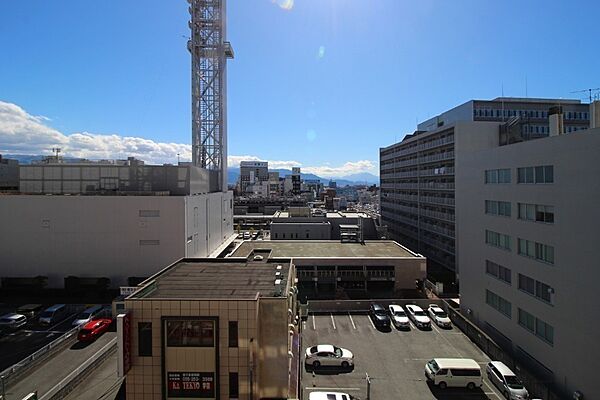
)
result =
(536, 288)
(541, 329)
(498, 271)
(539, 174)
(499, 303)
(234, 385)
(190, 333)
(539, 251)
(536, 212)
(501, 208)
(498, 240)
(526, 320)
(497, 176)
(145, 339)
(233, 334)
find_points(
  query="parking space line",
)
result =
(490, 388)
(371, 321)
(313, 320)
(351, 320)
(433, 325)
(332, 320)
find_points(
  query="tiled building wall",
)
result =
(144, 380)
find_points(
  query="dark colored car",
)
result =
(93, 329)
(379, 316)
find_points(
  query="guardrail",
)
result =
(11, 375)
(61, 389)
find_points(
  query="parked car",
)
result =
(53, 314)
(246, 235)
(94, 312)
(328, 355)
(12, 321)
(454, 372)
(93, 329)
(418, 316)
(506, 380)
(329, 396)
(380, 318)
(439, 316)
(398, 316)
(29, 310)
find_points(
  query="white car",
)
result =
(328, 355)
(398, 316)
(418, 316)
(439, 316)
(512, 388)
(12, 321)
(329, 396)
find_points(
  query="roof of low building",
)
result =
(218, 279)
(324, 249)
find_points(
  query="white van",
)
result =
(454, 372)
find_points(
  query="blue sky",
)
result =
(317, 83)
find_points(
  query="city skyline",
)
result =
(97, 90)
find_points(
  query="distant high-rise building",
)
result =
(332, 184)
(252, 172)
(296, 180)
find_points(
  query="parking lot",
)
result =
(17, 345)
(394, 360)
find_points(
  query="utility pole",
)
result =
(368, 387)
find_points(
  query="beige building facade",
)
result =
(527, 239)
(214, 329)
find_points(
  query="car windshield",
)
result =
(513, 382)
(379, 311)
(433, 365)
(84, 331)
(440, 313)
(313, 350)
(46, 314)
(83, 315)
(419, 313)
(399, 314)
(337, 351)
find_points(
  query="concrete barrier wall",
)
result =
(344, 306)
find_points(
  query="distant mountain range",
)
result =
(233, 173)
(364, 178)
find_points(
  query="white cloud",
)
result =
(23, 133)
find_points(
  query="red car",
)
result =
(93, 329)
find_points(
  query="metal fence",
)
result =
(538, 387)
(12, 374)
(343, 306)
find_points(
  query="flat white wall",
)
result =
(105, 236)
(575, 236)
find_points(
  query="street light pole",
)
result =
(368, 387)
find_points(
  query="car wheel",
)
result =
(471, 386)
(316, 364)
(442, 385)
(345, 364)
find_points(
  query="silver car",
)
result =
(328, 355)
(12, 321)
(505, 380)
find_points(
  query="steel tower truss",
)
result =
(209, 52)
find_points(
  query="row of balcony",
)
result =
(447, 155)
(422, 185)
(420, 147)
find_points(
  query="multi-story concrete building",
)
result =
(532, 114)
(332, 269)
(214, 329)
(417, 174)
(527, 247)
(296, 180)
(123, 221)
(252, 172)
(275, 185)
(285, 225)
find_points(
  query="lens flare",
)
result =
(285, 4)
(321, 53)
(311, 135)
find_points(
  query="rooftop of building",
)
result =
(214, 278)
(324, 249)
(329, 214)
